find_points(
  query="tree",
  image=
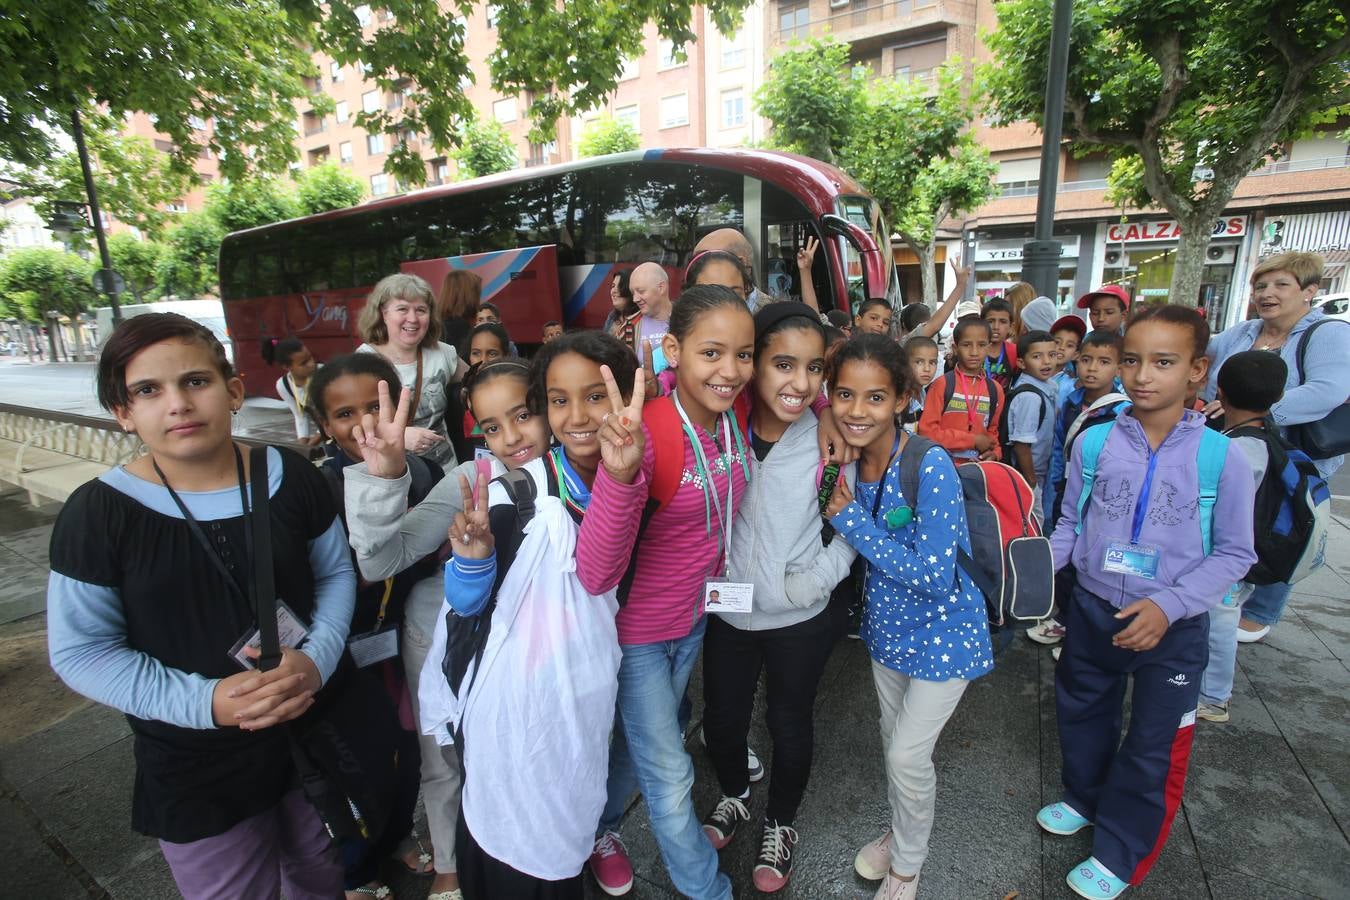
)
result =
(909, 146)
(485, 148)
(135, 182)
(250, 202)
(607, 135)
(1185, 97)
(38, 279)
(241, 67)
(187, 265)
(812, 96)
(913, 151)
(138, 263)
(326, 187)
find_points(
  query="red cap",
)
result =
(1071, 322)
(1109, 290)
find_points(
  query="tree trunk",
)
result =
(925, 253)
(1190, 260)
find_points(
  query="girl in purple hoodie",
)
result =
(1155, 545)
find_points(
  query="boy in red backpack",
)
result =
(962, 408)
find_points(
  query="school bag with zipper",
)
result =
(1293, 511)
(1012, 393)
(1100, 412)
(1009, 560)
(1209, 460)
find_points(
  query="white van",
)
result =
(208, 312)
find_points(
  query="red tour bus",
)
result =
(546, 242)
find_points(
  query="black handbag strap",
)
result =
(262, 586)
(1303, 346)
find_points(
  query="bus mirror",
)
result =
(836, 225)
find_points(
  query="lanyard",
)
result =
(967, 384)
(574, 491)
(881, 482)
(707, 486)
(1141, 507)
(200, 535)
(299, 392)
(384, 603)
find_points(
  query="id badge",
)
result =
(373, 646)
(291, 632)
(728, 597)
(1125, 558)
(482, 453)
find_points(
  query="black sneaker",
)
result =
(720, 826)
(773, 868)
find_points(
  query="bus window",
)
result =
(781, 276)
(657, 213)
(866, 214)
(236, 275)
(267, 276)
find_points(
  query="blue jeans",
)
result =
(648, 753)
(1266, 603)
(1216, 685)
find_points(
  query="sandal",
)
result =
(374, 889)
(425, 865)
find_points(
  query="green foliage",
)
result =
(813, 97)
(327, 187)
(135, 182)
(607, 135)
(241, 67)
(187, 265)
(36, 279)
(1179, 85)
(485, 148)
(251, 202)
(138, 262)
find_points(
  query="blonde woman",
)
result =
(1019, 295)
(397, 323)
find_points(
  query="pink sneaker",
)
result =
(873, 861)
(610, 866)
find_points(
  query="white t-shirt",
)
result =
(438, 368)
(296, 398)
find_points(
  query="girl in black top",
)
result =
(148, 600)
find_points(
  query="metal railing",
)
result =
(892, 15)
(1302, 165)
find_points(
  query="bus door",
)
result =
(522, 283)
(866, 271)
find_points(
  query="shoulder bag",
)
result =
(1330, 435)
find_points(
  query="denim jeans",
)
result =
(1216, 685)
(648, 753)
(1266, 603)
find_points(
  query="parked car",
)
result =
(1336, 306)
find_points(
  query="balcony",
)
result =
(1302, 165)
(1030, 188)
(312, 124)
(867, 24)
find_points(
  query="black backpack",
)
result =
(1293, 511)
(1003, 441)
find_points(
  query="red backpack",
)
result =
(1009, 560)
(665, 431)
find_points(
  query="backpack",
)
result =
(1010, 560)
(665, 433)
(1088, 418)
(990, 385)
(1209, 462)
(1004, 444)
(1293, 510)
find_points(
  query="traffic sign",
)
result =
(109, 281)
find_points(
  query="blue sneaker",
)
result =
(1093, 880)
(1061, 818)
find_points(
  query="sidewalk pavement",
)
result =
(1265, 814)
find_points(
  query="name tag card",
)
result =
(728, 597)
(290, 633)
(373, 646)
(1125, 558)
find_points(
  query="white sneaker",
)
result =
(1251, 637)
(754, 768)
(1046, 631)
(873, 861)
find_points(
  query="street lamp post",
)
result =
(77, 131)
(1040, 257)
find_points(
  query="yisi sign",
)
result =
(1169, 230)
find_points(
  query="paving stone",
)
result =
(32, 868)
(78, 736)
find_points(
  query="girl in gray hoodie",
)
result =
(777, 545)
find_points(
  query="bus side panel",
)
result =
(324, 320)
(522, 283)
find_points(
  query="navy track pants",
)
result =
(1129, 790)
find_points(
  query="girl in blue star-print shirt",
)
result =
(924, 625)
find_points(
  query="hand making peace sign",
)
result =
(381, 441)
(470, 532)
(621, 438)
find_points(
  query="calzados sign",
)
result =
(1170, 230)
